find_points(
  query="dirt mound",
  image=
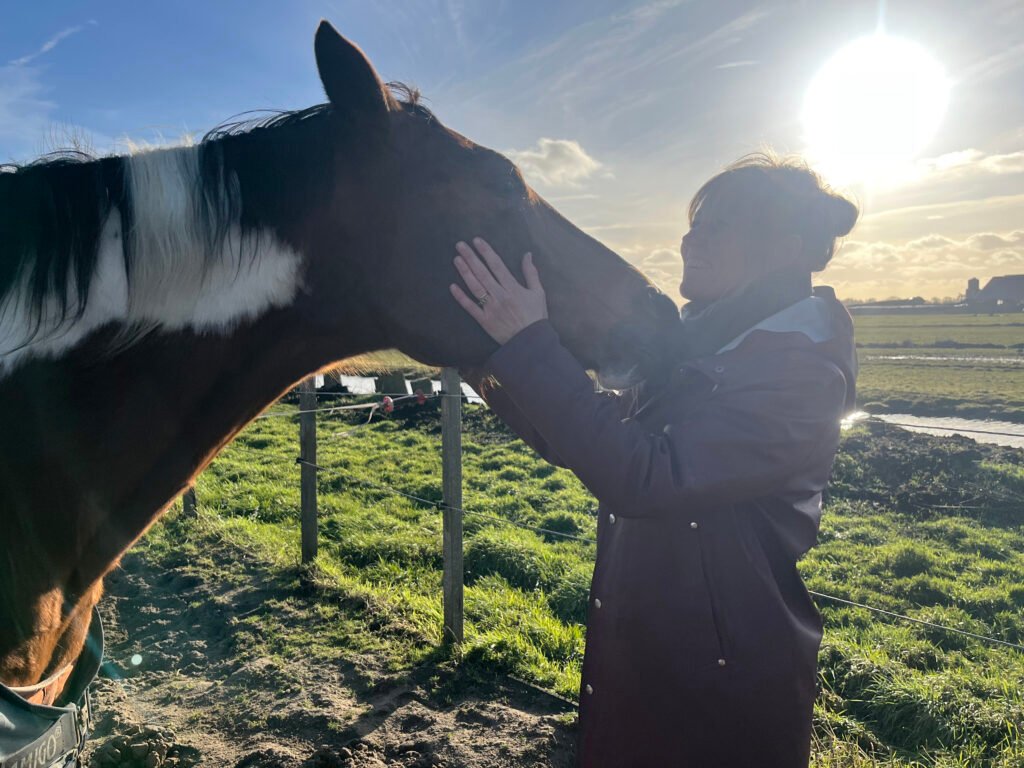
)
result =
(923, 475)
(177, 693)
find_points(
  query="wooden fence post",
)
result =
(307, 454)
(451, 483)
(188, 502)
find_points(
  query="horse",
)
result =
(153, 303)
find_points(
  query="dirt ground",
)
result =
(185, 700)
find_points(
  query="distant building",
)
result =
(1003, 292)
(973, 289)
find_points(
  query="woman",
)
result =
(701, 637)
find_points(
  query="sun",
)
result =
(872, 109)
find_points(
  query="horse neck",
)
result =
(93, 452)
(102, 429)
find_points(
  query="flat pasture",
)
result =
(942, 365)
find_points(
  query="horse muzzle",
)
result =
(641, 347)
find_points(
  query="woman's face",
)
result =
(719, 257)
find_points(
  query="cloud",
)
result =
(934, 265)
(52, 43)
(997, 65)
(651, 11)
(613, 68)
(928, 242)
(954, 178)
(555, 163)
(967, 162)
(735, 64)
(929, 266)
(989, 241)
(27, 124)
(24, 111)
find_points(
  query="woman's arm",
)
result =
(499, 401)
(506, 410)
(747, 443)
(775, 437)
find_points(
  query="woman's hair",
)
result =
(781, 195)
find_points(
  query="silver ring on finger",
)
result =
(481, 300)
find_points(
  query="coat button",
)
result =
(721, 662)
(611, 519)
(693, 525)
(719, 369)
(589, 689)
(597, 602)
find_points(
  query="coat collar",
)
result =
(811, 316)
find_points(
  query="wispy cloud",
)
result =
(736, 64)
(641, 48)
(973, 161)
(456, 15)
(555, 163)
(24, 110)
(52, 43)
(612, 67)
(996, 65)
(27, 124)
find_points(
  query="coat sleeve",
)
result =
(772, 437)
(497, 400)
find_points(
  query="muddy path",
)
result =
(176, 693)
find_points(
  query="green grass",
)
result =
(942, 365)
(1006, 330)
(925, 527)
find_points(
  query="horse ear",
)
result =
(349, 80)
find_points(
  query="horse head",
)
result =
(408, 188)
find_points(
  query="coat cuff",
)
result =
(514, 353)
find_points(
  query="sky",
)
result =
(616, 112)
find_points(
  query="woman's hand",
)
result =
(496, 300)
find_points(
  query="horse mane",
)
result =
(54, 208)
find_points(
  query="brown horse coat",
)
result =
(701, 637)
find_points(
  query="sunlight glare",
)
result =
(872, 109)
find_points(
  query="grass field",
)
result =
(1005, 330)
(943, 365)
(926, 527)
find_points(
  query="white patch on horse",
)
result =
(174, 284)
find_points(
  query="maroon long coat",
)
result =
(701, 638)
